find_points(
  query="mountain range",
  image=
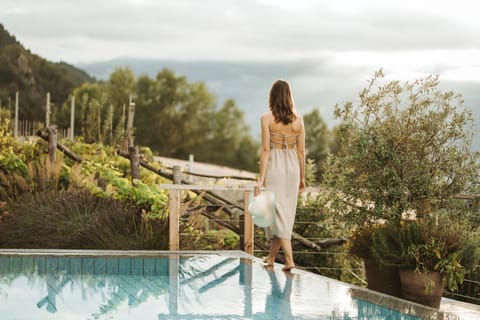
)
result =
(33, 76)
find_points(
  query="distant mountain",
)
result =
(32, 76)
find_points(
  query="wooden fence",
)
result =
(27, 130)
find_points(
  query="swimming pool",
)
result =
(188, 285)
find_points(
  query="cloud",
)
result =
(237, 30)
(317, 84)
(326, 49)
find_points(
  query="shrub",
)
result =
(79, 220)
(433, 243)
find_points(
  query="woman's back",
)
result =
(284, 136)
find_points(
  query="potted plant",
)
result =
(381, 278)
(405, 151)
(431, 253)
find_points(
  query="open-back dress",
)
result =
(283, 178)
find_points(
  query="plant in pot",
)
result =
(431, 252)
(405, 150)
(380, 278)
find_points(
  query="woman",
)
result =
(282, 167)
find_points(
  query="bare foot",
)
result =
(288, 268)
(269, 268)
(267, 262)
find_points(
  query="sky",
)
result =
(327, 50)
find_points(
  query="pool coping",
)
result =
(450, 309)
(121, 253)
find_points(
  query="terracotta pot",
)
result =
(382, 279)
(423, 288)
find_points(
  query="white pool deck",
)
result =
(449, 309)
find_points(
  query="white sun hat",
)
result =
(262, 208)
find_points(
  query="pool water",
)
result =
(171, 286)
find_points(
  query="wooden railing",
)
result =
(174, 208)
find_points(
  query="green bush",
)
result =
(79, 220)
(432, 243)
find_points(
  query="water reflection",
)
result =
(169, 287)
(101, 288)
(54, 287)
(279, 299)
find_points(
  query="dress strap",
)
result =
(281, 142)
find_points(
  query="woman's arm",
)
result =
(301, 155)
(265, 151)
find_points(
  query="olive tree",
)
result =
(406, 148)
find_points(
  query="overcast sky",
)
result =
(336, 45)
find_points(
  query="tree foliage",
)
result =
(317, 140)
(119, 88)
(173, 117)
(407, 146)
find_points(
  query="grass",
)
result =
(78, 220)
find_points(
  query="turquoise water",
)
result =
(203, 286)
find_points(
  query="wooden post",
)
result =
(52, 143)
(174, 218)
(177, 175)
(174, 208)
(134, 162)
(61, 147)
(246, 227)
(72, 118)
(111, 124)
(124, 136)
(131, 114)
(190, 167)
(47, 113)
(132, 150)
(15, 122)
(174, 213)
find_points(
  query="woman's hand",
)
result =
(258, 187)
(302, 186)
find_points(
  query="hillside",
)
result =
(33, 77)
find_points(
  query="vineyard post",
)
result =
(15, 123)
(52, 143)
(72, 118)
(134, 162)
(131, 114)
(132, 149)
(47, 113)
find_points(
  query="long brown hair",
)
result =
(281, 102)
